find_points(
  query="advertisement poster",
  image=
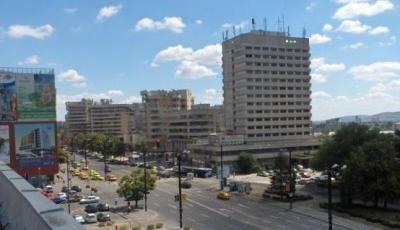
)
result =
(4, 144)
(35, 145)
(8, 98)
(36, 96)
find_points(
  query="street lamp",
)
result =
(335, 169)
(221, 164)
(145, 179)
(68, 184)
(180, 190)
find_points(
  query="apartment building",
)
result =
(157, 106)
(266, 82)
(77, 119)
(112, 119)
(104, 117)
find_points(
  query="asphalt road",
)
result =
(204, 211)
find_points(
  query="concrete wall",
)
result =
(24, 207)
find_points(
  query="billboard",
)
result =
(8, 97)
(5, 144)
(36, 97)
(35, 145)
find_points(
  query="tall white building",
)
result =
(266, 82)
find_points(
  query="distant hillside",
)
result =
(380, 117)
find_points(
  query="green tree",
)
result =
(281, 175)
(132, 188)
(247, 164)
(62, 156)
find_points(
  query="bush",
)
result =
(150, 227)
(136, 228)
(159, 225)
(123, 227)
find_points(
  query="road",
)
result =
(204, 211)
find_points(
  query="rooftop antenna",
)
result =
(279, 24)
(253, 22)
(234, 30)
(223, 36)
(226, 34)
(283, 23)
(288, 31)
(304, 32)
(240, 30)
(265, 24)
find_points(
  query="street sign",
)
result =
(184, 197)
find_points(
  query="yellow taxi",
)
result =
(223, 195)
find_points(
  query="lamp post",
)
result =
(145, 179)
(334, 169)
(222, 166)
(180, 190)
(68, 185)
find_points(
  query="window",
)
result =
(249, 55)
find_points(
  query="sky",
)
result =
(114, 49)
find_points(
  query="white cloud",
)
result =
(21, 31)
(319, 39)
(174, 24)
(132, 99)
(392, 41)
(320, 95)
(378, 71)
(321, 70)
(31, 60)
(71, 75)
(311, 6)
(199, 22)
(238, 26)
(353, 46)
(114, 92)
(354, 9)
(193, 71)
(353, 26)
(194, 64)
(70, 10)
(379, 30)
(212, 96)
(108, 11)
(327, 28)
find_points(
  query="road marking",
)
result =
(209, 208)
(190, 205)
(204, 215)
(244, 206)
(156, 204)
(172, 206)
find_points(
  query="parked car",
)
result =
(62, 195)
(90, 218)
(90, 200)
(48, 188)
(103, 207)
(103, 217)
(223, 195)
(111, 178)
(186, 184)
(108, 169)
(263, 174)
(91, 208)
(76, 188)
(79, 219)
(59, 200)
(75, 198)
(64, 189)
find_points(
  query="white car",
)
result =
(90, 199)
(90, 218)
(62, 195)
(48, 188)
(79, 219)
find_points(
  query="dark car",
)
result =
(59, 200)
(103, 217)
(75, 198)
(186, 184)
(91, 208)
(64, 189)
(103, 207)
(76, 188)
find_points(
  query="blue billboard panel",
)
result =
(35, 145)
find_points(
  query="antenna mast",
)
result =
(265, 24)
(253, 22)
(234, 30)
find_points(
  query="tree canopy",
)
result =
(247, 164)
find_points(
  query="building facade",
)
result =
(77, 117)
(266, 82)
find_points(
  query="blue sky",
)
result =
(115, 49)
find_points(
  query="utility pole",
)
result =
(145, 179)
(291, 180)
(180, 191)
(68, 186)
(330, 198)
(222, 166)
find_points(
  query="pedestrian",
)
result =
(115, 202)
